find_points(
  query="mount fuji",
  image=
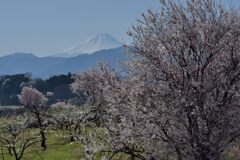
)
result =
(98, 48)
(93, 44)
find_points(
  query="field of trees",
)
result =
(179, 98)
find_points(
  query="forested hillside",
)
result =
(57, 88)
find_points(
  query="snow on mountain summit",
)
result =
(94, 43)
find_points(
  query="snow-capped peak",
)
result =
(94, 43)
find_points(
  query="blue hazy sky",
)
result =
(45, 27)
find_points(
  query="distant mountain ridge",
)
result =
(44, 67)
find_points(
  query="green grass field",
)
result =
(59, 148)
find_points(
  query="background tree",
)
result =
(70, 119)
(34, 101)
(89, 84)
(96, 84)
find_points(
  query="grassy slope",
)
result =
(58, 149)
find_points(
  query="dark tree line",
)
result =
(56, 88)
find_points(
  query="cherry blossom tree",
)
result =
(35, 102)
(185, 76)
(14, 134)
(100, 86)
(180, 95)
